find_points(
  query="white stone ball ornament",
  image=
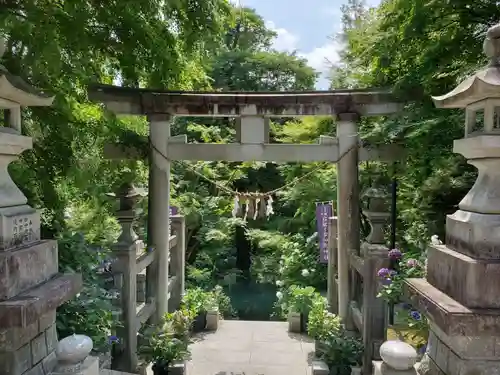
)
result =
(398, 355)
(73, 349)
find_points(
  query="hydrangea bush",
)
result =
(392, 280)
(405, 265)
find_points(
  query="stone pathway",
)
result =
(251, 348)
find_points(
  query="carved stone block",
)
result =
(16, 362)
(19, 226)
(90, 366)
(473, 283)
(294, 322)
(29, 306)
(474, 234)
(38, 348)
(445, 361)
(24, 268)
(319, 368)
(450, 316)
(212, 320)
(380, 368)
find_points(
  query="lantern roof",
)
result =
(484, 84)
(14, 89)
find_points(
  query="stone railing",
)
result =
(362, 287)
(136, 271)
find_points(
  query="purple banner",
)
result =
(323, 212)
(172, 211)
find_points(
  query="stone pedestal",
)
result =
(212, 320)
(461, 295)
(294, 322)
(73, 357)
(31, 288)
(319, 368)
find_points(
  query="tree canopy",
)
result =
(419, 48)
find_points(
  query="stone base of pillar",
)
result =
(462, 340)
(380, 368)
(471, 282)
(29, 348)
(294, 322)
(90, 366)
(30, 290)
(212, 320)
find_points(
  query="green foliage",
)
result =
(169, 341)
(298, 299)
(437, 46)
(342, 351)
(197, 300)
(223, 302)
(211, 44)
(91, 312)
(322, 324)
(411, 326)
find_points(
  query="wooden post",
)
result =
(178, 261)
(159, 212)
(333, 300)
(347, 207)
(125, 250)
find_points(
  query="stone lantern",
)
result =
(31, 287)
(461, 295)
(377, 213)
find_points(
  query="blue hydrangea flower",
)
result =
(415, 315)
(113, 339)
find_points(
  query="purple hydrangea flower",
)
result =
(383, 272)
(415, 315)
(113, 339)
(395, 254)
(412, 263)
(387, 281)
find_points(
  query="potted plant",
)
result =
(166, 346)
(342, 354)
(353, 353)
(300, 301)
(322, 324)
(212, 308)
(197, 301)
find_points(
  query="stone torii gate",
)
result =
(253, 111)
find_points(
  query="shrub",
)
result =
(322, 324)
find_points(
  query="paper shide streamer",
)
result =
(252, 206)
